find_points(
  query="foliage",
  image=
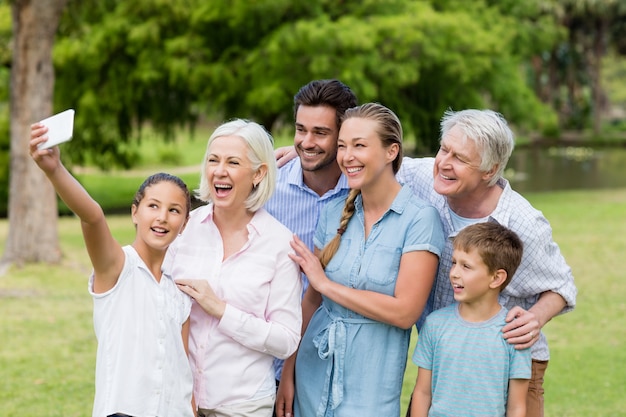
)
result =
(168, 64)
(614, 75)
(122, 64)
(568, 74)
(4, 155)
(116, 64)
(413, 58)
(5, 34)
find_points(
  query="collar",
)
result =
(257, 223)
(501, 214)
(295, 177)
(504, 210)
(398, 204)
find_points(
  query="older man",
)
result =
(464, 181)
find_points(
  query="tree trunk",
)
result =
(598, 51)
(33, 234)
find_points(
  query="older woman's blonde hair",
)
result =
(260, 152)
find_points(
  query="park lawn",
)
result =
(47, 358)
(587, 369)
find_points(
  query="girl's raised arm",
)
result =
(106, 254)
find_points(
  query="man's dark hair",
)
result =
(332, 93)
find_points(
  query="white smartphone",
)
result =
(60, 128)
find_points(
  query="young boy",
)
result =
(465, 366)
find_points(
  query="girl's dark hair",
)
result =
(158, 178)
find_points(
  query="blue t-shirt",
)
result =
(471, 363)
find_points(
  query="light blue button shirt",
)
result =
(298, 207)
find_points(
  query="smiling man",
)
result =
(307, 183)
(464, 182)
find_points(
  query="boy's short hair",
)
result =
(498, 246)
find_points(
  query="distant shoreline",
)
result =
(577, 138)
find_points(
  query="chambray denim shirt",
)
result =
(346, 361)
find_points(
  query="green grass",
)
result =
(115, 191)
(48, 349)
(186, 148)
(47, 357)
(588, 346)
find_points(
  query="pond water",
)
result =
(542, 169)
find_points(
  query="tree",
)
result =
(33, 232)
(590, 24)
(419, 58)
(123, 64)
(568, 74)
(5, 76)
(165, 63)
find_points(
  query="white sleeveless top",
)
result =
(141, 365)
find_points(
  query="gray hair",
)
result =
(490, 132)
(260, 152)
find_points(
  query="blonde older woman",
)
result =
(233, 261)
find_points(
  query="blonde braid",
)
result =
(348, 210)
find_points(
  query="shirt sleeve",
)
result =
(543, 267)
(278, 333)
(423, 353)
(426, 233)
(521, 363)
(319, 240)
(417, 173)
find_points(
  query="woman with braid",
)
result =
(376, 258)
